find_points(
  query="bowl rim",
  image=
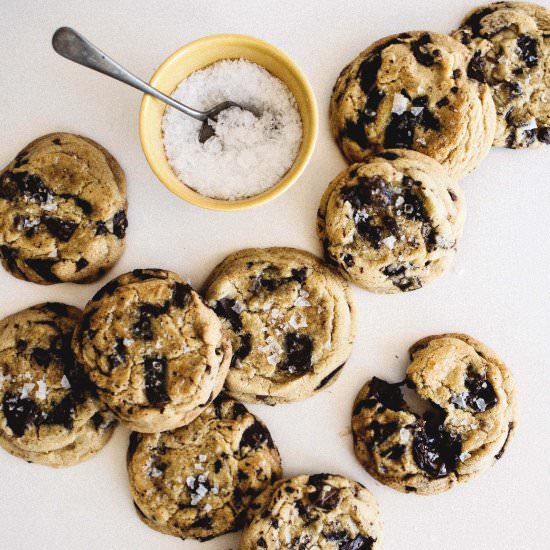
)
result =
(305, 152)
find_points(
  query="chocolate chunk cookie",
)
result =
(470, 415)
(62, 211)
(510, 42)
(414, 91)
(155, 352)
(291, 322)
(321, 511)
(391, 224)
(47, 413)
(198, 481)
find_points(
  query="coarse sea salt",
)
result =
(248, 154)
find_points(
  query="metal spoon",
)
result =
(72, 45)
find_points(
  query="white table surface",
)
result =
(498, 290)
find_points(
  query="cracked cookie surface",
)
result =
(322, 511)
(413, 91)
(392, 224)
(291, 322)
(47, 413)
(197, 481)
(62, 211)
(510, 42)
(153, 349)
(471, 415)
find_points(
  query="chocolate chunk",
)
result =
(356, 130)
(435, 450)
(120, 224)
(217, 466)
(106, 290)
(84, 205)
(143, 327)
(243, 350)
(381, 432)
(133, 444)
(428, 120)
(348, 260)
(56, 141)
(474, 21)
(57, 308)
(225, 308)
(421, 101)
(368, 71)
(388, 395)
(62, 413)
(21, 159)
(181, 295)
(388, 156)
(476, 67)
(400, 131)
(527, 47)
(81, 264)
(255, 436)
(10, 257)
(480, 394)
(60, 229)
(421, 53)
(155, 380)
(543, 135)
(19, 412)
(43, 267)
(368, 403)
(21, 345)
(298, 353)
(118, 357)
(360, 542)
(101, 229)
(413, 208)
(325, 496)
(261, 543)
(238, 410)
(372, 191)
(41, 356)
(452, 194)
(329, 377)
(31, 186)
(395, 452)
(374, 99)
(443, 102)
(457, 73)
(203, 522)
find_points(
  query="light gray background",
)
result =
(498, 290)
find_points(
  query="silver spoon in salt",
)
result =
(72, 45)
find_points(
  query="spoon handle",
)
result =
(72, 45)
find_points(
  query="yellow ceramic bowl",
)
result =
(204, 52)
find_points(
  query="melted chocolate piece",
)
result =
(270, 280)
(10, 257)
(388, 156)
(255, 436)
(32, 186)
(360, 542)
(43, 267)
(474, 21)
(371, 105)
(62, 413)
(325, 496)
(19, 412)
(133, 444)
(57, 308)
(81, 264)
(395, 452)
(356, 130)
(435, 450)
(368, 71)
(243, 350)
(120, 224)
(60, 229)
(348, 260)
(41, 356)
(381, 432)
(298, 353)
(527, 47)
(101, 228)
(224, 308)
(498, 456)
(118, 357)
(388, 395)
(106, 290)
(84, 205)
(480, 393)
(543, 135)
(428, 120)
(400, 131)
(476, 67)
(181, 295)
(420, 52)
(329, 377)
(155, 380)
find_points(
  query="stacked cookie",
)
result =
(390, 226)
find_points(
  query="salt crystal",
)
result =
(190, 482)
(247, 154)
(215, 489)
(65, 382)
(201, 490)
(27, 387)
(320, 309)
(400, 104)
(273, 359)
(297, 320)
(53, 253)
(404, 435)
(202, 458)
(203, 477)
(529, 125)
(127, 342)
(389, 242)
(207, 508)
(417, 110)
(301, 300)
(464, 456)
(237, 307)
(155, 472)
(399, 201)
(198, 467)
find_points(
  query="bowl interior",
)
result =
(198, 55)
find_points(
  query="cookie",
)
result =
(470, 415)
(48, 415)
(155, 352)
(198, 481)
(321, 511)
(510, 42)
(413, 91)
(291, 322)
(392, 224)
(62, 211)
